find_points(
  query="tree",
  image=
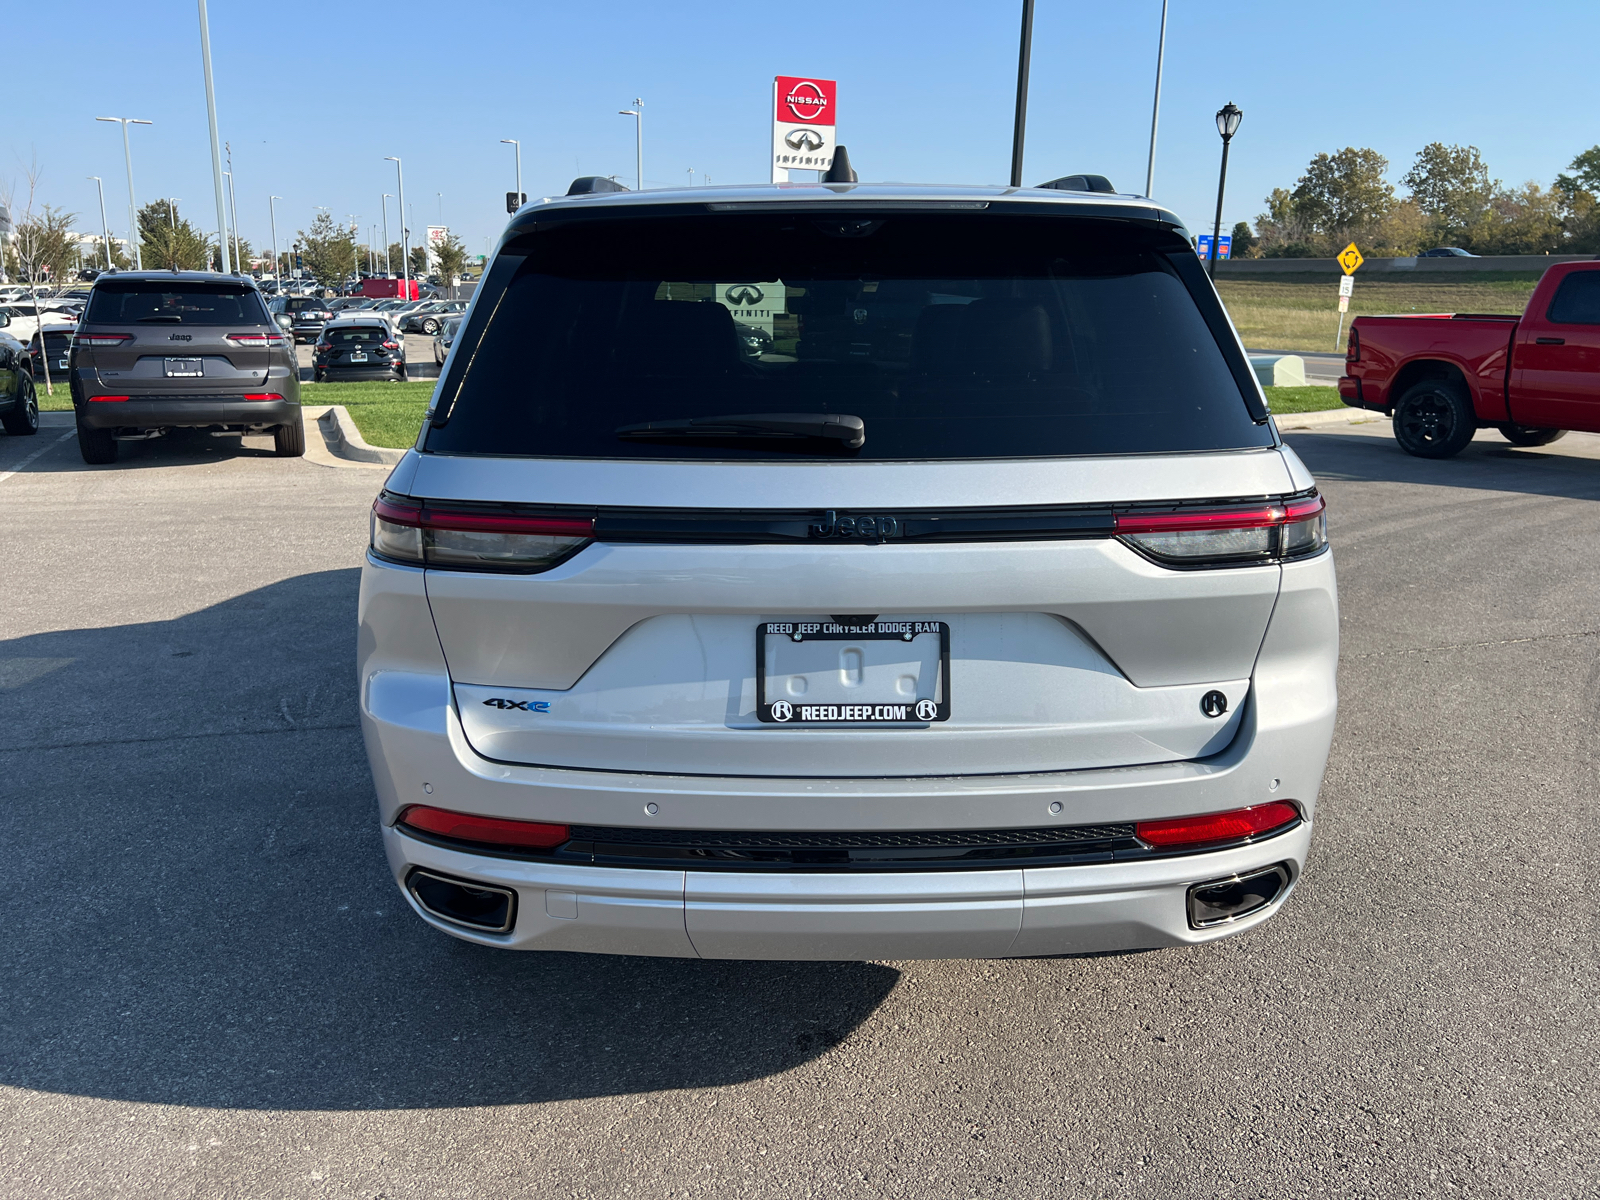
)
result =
(451, 256)
(43, 245)
(1524, 221)
(1244, 242)
(1451, 185)
(394, 257)
(328, 251)
(171, 241)
(419, 260)
(1344, 196)
(1579, 203)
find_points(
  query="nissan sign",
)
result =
(805, 115)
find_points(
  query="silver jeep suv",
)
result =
(974, 609)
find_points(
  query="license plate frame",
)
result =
(358, 356)
(916, 715)
(179, 368)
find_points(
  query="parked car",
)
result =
(997, 620)
(359, 347)
(27, 316)
(1443, 377)
(396, 312)
(19, 406)
(55, 350)
(444, 339)
(1446, 252)
(308, 313)
(430, 317)
(159, 350)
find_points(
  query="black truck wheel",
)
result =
(289, 440)
(97, 446)
(1434, 419)
(1531, 435)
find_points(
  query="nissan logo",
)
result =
(745, 293)
(806, 107)
(805, 140)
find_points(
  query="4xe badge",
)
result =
(531, 706)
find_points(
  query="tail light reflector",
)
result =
(1223, 537)
(1352, 352)
(101, 339)
(391, 345)
(262, 396)
(257, 340)
(493, 831)
(107, 399)
(484, 541)
(1218, 827)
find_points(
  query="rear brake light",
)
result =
(106, 399)
(256, 339)
(494, 831)
(1228, 536)
(262, 396)
(486, 541)
(1352, 351)
(101, 339)
(391, 345)
(1218, 827)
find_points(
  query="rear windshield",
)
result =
(154, 301)
(302, 303)
(360, 336)
(948, 336)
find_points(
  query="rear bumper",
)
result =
(388, 371)
(859, 916)
(185, 414)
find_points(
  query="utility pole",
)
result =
(1155, 112)
(1024, 54)
(637, 113)
(233, 207)
(105, 230)
(518, 146)
(216, 147)
(133, 211)
(405, 238)
(277, 263)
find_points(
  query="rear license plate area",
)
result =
(358, 356)
(184, 368)
(823, 672)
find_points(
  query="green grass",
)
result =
(387, 414)
(1302, 399)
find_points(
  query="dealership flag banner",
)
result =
(804, 119)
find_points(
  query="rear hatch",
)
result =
(359, 348)
(181, 337)
(990, 495)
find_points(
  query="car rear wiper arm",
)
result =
(849, 431)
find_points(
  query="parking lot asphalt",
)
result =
(209, 987)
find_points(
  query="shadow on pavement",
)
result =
(198, 911)
(1488, 464)
(180, 448)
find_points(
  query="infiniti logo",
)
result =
(745, 293)
(805, 140)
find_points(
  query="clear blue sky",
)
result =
(925, 94)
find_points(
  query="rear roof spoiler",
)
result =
(586, 185)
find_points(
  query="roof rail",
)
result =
(587, 185)
(1080, 183)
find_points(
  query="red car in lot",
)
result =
(1444, 376)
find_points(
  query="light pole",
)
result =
(133, 212)
(405, 240)
(105, 230)
(1228, 118)
(388, 268)
(1024, 53)
(1155, 112)
(172, 221)
(277, 263)
(441, 206)
(216, 145)
(518, 145)
(233, 207)
(637, 113)
(355, 255)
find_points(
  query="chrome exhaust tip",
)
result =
(471, 905)
(1220, 901)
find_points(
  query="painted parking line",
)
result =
(45, 449)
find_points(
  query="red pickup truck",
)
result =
(1444, 376)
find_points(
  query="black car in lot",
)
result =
(19, 406)
(358, 347)
(162, 350)
(308, 315)
(55, 351)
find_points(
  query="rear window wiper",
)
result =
(849, 431)
(171, 319)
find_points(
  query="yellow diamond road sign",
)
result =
(1350, 258)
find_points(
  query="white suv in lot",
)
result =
(975, 609)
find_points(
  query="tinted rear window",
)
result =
(1577, 301)
(157, 302)
(950, 336)
(361, 336)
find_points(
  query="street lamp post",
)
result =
(388, 268)
(637, 113)
(133, 211)
(1024, 54)
(105, 229)
(1155, 111)
(405, 239)
(518, 146)
(233, 208)
(277, 263)
(1228, 118)
(216, 145)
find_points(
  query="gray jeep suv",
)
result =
(161, 350)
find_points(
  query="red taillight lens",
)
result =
(106, 399)
(256, 340)
(391, 345)
(262, 396)
(1218, 827)
(101, 339)
(1228, 536)
(492, 831)
(1352, 351)
(486, 541)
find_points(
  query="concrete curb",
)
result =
(344, 440)
(1288, 422)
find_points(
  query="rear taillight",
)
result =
(391, 345)
(1233, 826)
(475, 541)
(1352, 352)
(101, 339)
(262, 396)
(323, 347)
(1222, 537)
(256, 340)
(492, 831)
